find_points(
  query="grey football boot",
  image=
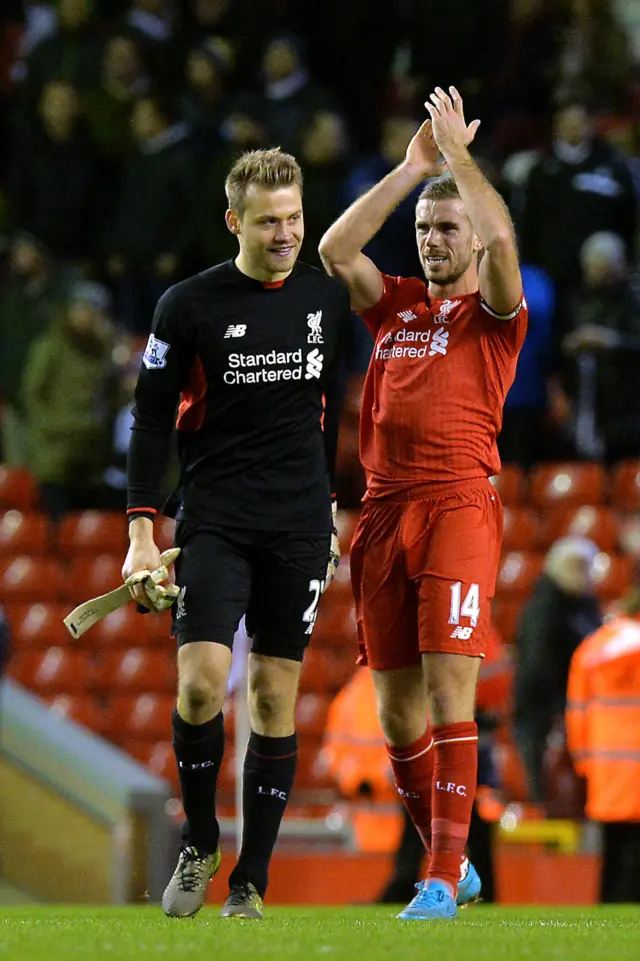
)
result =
(187, 889)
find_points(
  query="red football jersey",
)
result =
(436, 384)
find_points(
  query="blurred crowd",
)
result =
(123, 117)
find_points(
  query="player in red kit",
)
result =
(425, 553)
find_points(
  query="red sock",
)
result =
(413, 772)
(454, 786)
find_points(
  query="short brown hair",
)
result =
(265, 168)
(441, 188)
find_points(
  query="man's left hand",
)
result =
(334, 550)
(450, 129)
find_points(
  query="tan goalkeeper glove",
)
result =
(334, 550)
(160, 596)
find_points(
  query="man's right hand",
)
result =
(143, 555)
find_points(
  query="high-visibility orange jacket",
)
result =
(603, 719)
(354, 754)
(353, 750)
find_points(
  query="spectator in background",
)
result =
(526, 435)
(206, 100)
(560, 613)
(71, 54)
(603, 737)
(107, 106)
(289, 97)
(153, 23)
(394, 247)
(580, 186)
(56, 179)
(596, 55)
(153, 228)
(29, 296)
(525, 75)
(603, 350)
(323, 159)
(68, 392)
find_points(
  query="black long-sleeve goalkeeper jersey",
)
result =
(248, 373)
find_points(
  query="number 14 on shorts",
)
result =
(467, 607)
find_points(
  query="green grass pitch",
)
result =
(482, 933)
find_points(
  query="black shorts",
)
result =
(275, 579)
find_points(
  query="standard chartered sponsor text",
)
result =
(272, 367)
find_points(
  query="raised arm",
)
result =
(341, 246)
(499, 274)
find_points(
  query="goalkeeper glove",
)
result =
(334, 550)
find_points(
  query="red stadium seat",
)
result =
(613, 575)
(25, 579)
(89, 576)
(505, 613)
(511, 485)
(93, 532)
(346, 523)
(58, 670)
(23, 533)
(81, 708)
(520, 529)
(600, 524)
(18, 489)
(625, 485)
(135, 671)
(518, 572)
(39, 626)
(326, 671)
(567, 483)
(311, 715)
(161, 761)
(336, 616)
(159, 627)
(147, 716)
(123, 628)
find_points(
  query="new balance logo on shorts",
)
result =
(236, 330)
(464, 633)
(314, 364)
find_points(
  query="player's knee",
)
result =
(452, 699)
(402, 724)
(200, 697)
(271, 710)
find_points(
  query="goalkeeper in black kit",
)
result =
(243, 361)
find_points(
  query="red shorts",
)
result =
(423, 573)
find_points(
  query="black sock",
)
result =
(199, 749)
(269, 770)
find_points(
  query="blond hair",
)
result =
(441, 188)
(265, 168)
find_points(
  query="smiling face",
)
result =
(270, 230)
(447, 244)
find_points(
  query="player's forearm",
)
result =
(147, 461)
(486, 208)
(363, 219)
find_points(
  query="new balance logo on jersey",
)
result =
(442, 317)
(407, 316)
(314, 364)
(463, 633)
(236, 330)
(155, 354)
(315, 329)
